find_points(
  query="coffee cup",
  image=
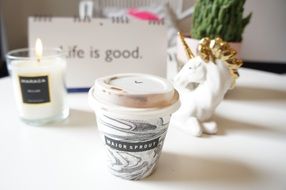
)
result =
(133, 113)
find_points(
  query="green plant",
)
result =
(219, 18)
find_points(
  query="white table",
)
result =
(248, 153)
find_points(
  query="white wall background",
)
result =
(264, 38)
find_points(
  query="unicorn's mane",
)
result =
(211, 50)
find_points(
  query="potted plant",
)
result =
(217, 18)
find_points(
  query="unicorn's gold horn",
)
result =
(186, 47)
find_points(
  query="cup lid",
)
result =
(135, 90)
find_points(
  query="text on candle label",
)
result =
(35, 90)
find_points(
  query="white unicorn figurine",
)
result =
(202, 84)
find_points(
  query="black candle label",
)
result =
(131, 147)
(35, 90)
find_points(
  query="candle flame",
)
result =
(39, 49)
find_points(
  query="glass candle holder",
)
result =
(39, 84)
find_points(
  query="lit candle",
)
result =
(38, 80)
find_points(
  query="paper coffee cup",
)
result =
(133, 113)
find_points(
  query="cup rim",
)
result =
(57, 52)
(97, 105)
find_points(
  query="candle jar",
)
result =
(39, 85)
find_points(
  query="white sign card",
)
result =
(98, 47)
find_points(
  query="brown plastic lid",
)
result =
(135, 91)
